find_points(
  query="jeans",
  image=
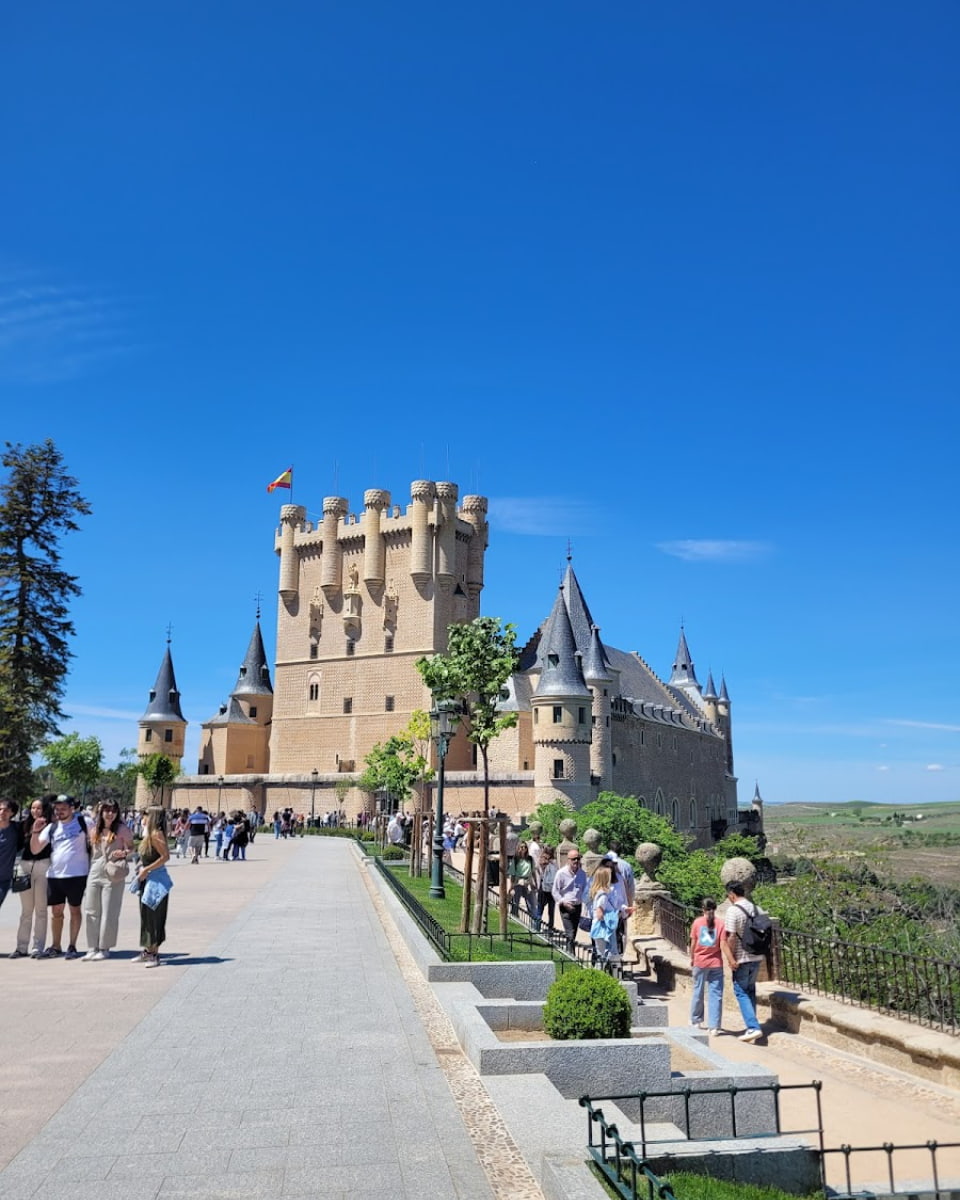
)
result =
(709, 980)
(745, 990)
(522, 892)
(547, 905)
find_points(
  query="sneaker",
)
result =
(153, 960)
(89, 956)
(100, 955)
(141, 958)
(19, 954)
(72, 952)
(714, 1032)
(36, 954)
(751, 1035)
(52, 952)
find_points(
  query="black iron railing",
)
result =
(925, 991)
(848, 1191)
(673, 921)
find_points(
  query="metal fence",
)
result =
(925, 991)
(850, 1191)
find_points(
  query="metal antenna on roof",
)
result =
(169, 632)
(258, 598)
(569, 550)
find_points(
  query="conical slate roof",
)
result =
(723, 690)
(561, 673)
(231, 714)
(164, 698)
(596, 668)
(710, 692)
(254, 677)
(683, 672)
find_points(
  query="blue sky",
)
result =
(676, 282)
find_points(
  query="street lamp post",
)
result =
(313, 798)
(219, 793)
(443, 722)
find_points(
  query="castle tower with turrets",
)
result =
(360, 600)
(162, 727)
(236, 740)
(561, 706)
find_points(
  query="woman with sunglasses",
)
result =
(111, 844)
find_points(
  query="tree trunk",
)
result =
(480, 908)
(467, 879)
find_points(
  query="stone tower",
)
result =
(163, 727)
(561, 705)
(361, 598)
(599, 678)
(236, 741)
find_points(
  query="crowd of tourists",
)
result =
(72, 868)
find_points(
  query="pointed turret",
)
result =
(757, 801)
(254, 677)
(710, 691)
(164, 702)
(724, 696)
(683, 672)
(596, 668)
(561, 674)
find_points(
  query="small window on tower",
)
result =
(253, 710)
(536, 717)
(388, 703)
(168, 735)
(351, 647)
(581, 716)
(348, 704)
(314, 692)
(388, 644)
(558, 768)
(557, 714)
(313, 649)
(148, 735)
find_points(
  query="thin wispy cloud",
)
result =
(935, 766)
(541, 516)
(106, 714)
(715, 550)
(923, 725)
(52, 331)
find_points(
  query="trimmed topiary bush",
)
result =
(587, 1004)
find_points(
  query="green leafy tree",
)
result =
(394, 766)
(158, 772)
(39, 502)
(75, 761)
(616, 818)
(738, 845)
(481, 656)
(118, 783)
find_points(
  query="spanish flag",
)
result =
(285, 480)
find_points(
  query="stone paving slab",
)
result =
(288, 1060)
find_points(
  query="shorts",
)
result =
(196, 841)
(66, 891)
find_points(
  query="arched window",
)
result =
(675, 813)
(658, 803)
(693, 812)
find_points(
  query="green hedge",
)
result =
(587, 1004)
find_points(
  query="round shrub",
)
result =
(587, 1004)
(390, 853)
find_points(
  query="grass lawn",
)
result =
(702, 1187)
(488, 948)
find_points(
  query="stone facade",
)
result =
(363, 596)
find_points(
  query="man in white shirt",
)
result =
(569, 889)
(67, 873)
(744, 966)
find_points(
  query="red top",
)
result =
(706, 955)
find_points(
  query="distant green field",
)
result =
(926, 843)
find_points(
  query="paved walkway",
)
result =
(283, 1056)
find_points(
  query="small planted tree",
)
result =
(157, 772)
(481, 656)
(75, 761)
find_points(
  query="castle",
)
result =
(361, 598)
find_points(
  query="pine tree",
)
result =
(39, 502)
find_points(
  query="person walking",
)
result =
(198, 831)
(605, 915)
(706, 960)
(744, 966)
(111, 844)
(241, 835)
(547, 875)
(33, 902)
(155, 885)
(523, 884)
(569, 891)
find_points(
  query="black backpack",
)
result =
(757, 936)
